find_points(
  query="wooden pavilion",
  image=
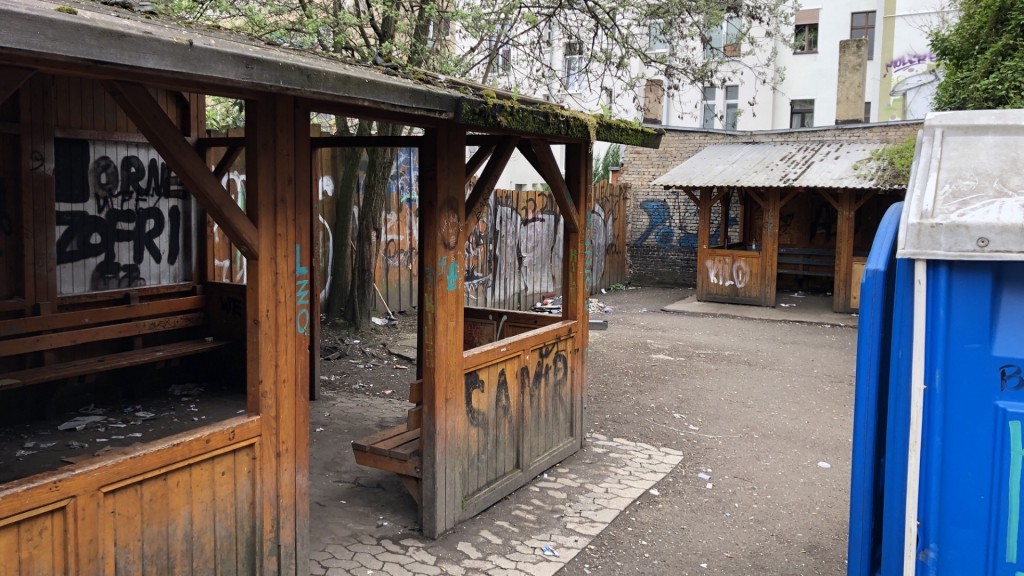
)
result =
(102, 272)
(773, 215)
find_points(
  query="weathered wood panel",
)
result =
(12, 282)
(732, 276)
(517, 414)
(197, 519)
(36, 542)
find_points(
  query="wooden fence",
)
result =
(513, 251)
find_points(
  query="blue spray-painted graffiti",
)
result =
(665, 234)
(301, 293)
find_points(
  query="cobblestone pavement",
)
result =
(535, 531)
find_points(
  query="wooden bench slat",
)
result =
(364, 443)
(108, 362)
(410, 468)
(83, 318)
(123, 330)
(386, 446)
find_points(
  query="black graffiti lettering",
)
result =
(174, 215)
(88, 236)
(133, 171)
(1011, 377)
(145, 236)
(84, 237)
(502, 401)
(476, 417)
(104, 181)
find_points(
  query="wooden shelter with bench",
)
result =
(106, 201)
(779, 215)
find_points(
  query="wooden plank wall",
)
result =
(184, 505)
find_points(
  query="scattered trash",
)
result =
(824, 465)
(388, 392)
(136, 435)
(145, 415)
(379, 321)
(80, 422)
(703, 565)
(709, 486)
(598, 324)
(28, 445)
(549, 551)
(242, 411)
(400, 367)
(23, 453)
(102, 440)
(46, 445)
(798, 294)
(319, 428)
(677, 416)
(77, 445)
(692, 427)
(784, 305)
(184, 390)
(704, 476)
(654, 492)
(91, 409)
(550, 305)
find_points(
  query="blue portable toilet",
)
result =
(945, 477)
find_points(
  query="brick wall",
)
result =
(662, 233)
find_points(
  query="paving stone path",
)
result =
(535, 531)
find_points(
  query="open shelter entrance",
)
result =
(107, 211)
(775, 216)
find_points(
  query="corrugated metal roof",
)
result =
(774, 165)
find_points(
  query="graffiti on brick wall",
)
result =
(123, 218)
(670, 229)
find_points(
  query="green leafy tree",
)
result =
(555, 49)
(612, 158)
(982, 55)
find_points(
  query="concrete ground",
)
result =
(718, 444)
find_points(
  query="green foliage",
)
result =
(224, 113)
(612, 157)
(982, 55)
(67, 10)
(890, 166)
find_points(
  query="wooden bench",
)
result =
(397, 449)
(810, 261)
(39, 347)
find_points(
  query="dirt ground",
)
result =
(761, 411)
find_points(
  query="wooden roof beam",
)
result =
(149, 117)
(543, 161)
(489, 179)
(11, 78)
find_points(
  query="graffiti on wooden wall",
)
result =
(513, 251)
(123, 218)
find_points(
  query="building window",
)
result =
(801, 114)
(805, 36)
(725, 39)
(573, 67)
(805, 39)
(862, 25)
(732, 106)
(710, 95)
(867, 112)
(657, 39)
(654, 101)
(502, 54)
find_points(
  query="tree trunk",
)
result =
(347, 163)
(369, 231)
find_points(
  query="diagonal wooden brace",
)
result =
(489, 179)
(543, 161)
(11, 78)
(152, 121)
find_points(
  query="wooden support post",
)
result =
(703, 239)
(442, 202)
(39, 235)
(140, 106)
(842, 290)
(577, 272)
(279, 309)
(770, 246)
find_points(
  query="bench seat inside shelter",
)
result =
(64, 345)
(397, 449)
